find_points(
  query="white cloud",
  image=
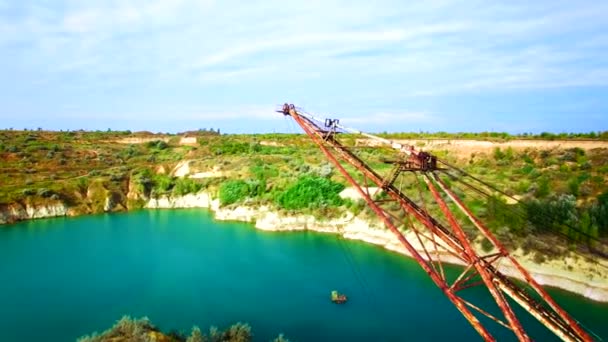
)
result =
(183, 113)
(319, 52)
(385, 118)
(234, 75)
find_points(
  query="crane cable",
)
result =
(347, 253)
(481, 196)
(522, 203)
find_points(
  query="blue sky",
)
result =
(516, 66)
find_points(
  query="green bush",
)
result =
(486, 245)
(256, 187)
(157, 144)
(29, 192)
(186, 186)
(262, 170)
(44, 192)
(573, 186)
(498, 154)
(543, 187)
(599, 214)
(527, 169)
(556, 214)
(233, 191)
(232, 147)
(144, 180)
(311, 192)
(163, 183)
(501, 214)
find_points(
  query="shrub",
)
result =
(543, 187)
(599, 214)
(44, 192)
(82, 184)
(233, 147)
(163, 183)
(116, 177)
(311, 192)
(233, 191)
(486, 245)
(239, 332)
(527, 169)
(501, 214)
(573, 186)
(186, 186)
(256, 187)
(554, 214)
(263, 171)
(157, 144)
(127, 329)
(144, 181)
(29, 192)
(498, 154)
(325, 170)
(539, 258)
(196, 335)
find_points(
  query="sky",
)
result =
(382, 65)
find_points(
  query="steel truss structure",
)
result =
(436, 241)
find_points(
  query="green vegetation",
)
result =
(185, 186)
(499, 136)
(128, 329)
(312, 193)
(233, 191)
(561, 192)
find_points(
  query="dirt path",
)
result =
(465, 147)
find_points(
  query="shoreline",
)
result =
(570, 273)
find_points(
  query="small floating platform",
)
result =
(338, 298)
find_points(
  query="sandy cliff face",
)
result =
(17, 211)
(200, 200)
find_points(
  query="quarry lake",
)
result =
(67, 277)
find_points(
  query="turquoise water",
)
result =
(62, 278)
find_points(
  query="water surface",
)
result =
(66, 277)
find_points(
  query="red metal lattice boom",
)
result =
(436, 240)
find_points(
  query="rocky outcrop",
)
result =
(182, 169)
(200, 200)
(17, 211)
(114, 202)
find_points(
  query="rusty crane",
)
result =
(443, 235)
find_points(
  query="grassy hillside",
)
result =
(562, 190)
